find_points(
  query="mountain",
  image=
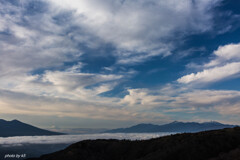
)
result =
(207, 145)
(17, 128)
(172, 127)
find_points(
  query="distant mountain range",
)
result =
(172, 127)
(17, 128)
(209, 145)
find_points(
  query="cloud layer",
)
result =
(69, 139)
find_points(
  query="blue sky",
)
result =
(115, 63)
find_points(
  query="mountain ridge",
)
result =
(18, 128)
(174, 126)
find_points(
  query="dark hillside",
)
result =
(232, 155)
(187, 146)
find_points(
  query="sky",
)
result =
(116, 63)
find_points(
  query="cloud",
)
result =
(25, 104)
(36, 44)
(144, 97)
(133, 27)
(28, 47)
(34, 78)
(224, 65)
(77, 82)
(32, 41)
(212, 74)
(209, 98)
(173, 98)
(230, 51)
(233, 110)
(42, 46)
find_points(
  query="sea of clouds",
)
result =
(68, 139)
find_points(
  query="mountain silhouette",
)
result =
(206, 145)
(17, 128)
(172, 127)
